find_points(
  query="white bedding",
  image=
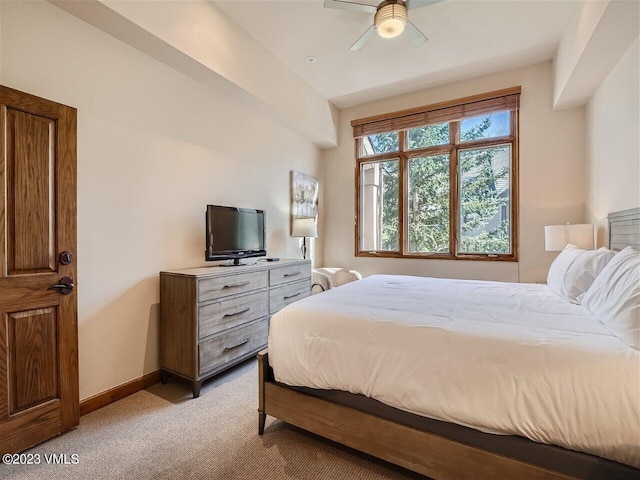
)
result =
(503, 358)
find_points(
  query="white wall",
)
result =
(154, 147)
(552, 179)
(596, 36)
(199, 40)
(613, 145)
(583, 22)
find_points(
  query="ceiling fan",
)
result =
(390, 19)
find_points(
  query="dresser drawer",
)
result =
(232, 344)
(294, 273)
(216, 317)
(217, 287)
(283, 295)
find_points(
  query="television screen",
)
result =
(234, 233)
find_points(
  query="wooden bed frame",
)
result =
(423, 452)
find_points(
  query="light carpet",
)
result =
(163, 433)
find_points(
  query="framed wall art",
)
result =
(304, 196)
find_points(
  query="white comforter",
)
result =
(503, 358)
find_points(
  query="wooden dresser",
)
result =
(215, 317)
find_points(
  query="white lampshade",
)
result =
(390, 20)
(556, 237)
(304, 227)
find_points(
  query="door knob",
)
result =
(65, 286)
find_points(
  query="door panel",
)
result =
(30, 163)
(38, 325)
(33, 362)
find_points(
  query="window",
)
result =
(380, 213)
(428, 198)
(440, 181)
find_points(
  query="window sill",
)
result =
(438, 256)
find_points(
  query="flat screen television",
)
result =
(234, 233)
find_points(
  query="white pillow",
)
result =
(574, 270)
(614, 297)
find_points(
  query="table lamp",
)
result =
(304, 227)
(556, 237)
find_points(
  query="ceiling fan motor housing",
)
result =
(390, 18)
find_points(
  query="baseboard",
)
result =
(114, 394)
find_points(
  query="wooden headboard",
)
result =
(624, 229)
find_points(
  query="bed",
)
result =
(443, 393)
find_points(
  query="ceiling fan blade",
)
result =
(416, 36)
(354, 6)
(413, 4)
(363, 39)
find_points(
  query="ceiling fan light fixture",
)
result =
(390, 19)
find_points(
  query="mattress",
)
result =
(501, 358)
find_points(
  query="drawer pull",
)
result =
(292, 274)
(226, 349)
(291, 296)
(236, 314)
(235, 285)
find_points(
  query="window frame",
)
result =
(404, 154)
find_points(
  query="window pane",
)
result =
(428, 136)
(485, 200)
(379, 143)
(429, 204)
(487, 126)
(379, 206)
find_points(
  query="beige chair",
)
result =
(325, 278)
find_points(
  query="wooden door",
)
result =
(38, 321)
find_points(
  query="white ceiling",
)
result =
(466, 38)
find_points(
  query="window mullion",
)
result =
(454, 216)
(402, 191)
(486, 142)
(379, 157)
(429, 151)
